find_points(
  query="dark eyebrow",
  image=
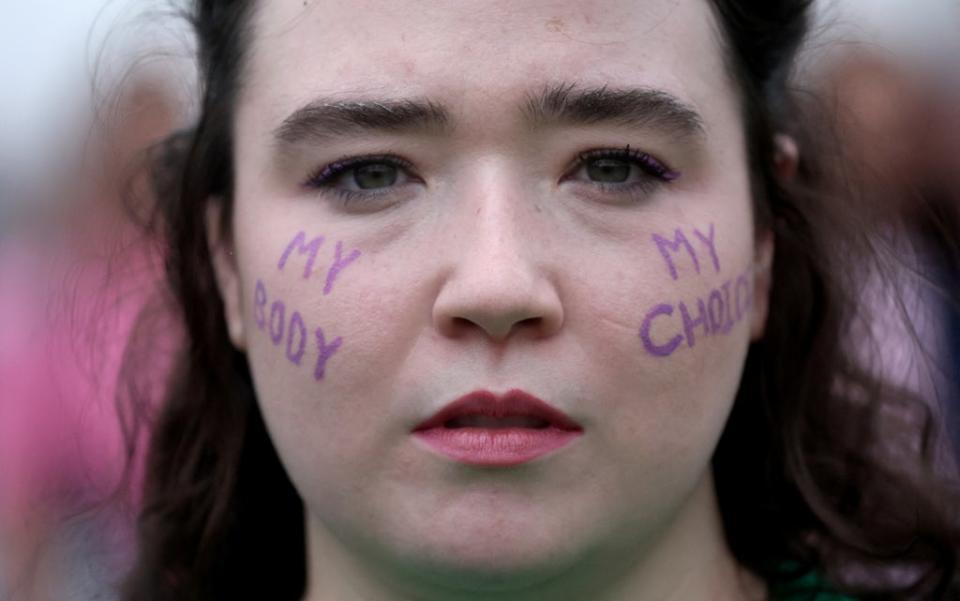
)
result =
(568, 104)
(328, 117)
(557, 104)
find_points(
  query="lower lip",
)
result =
(496, 446)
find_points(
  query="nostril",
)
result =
(497, 318)
(497, 329)
(461, 325)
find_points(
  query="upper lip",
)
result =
(513, 403)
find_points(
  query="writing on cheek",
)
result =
(310, 250)
(658, 350)
(290, 332)
(338, 264)
(681, 243)
(260, 304)
(298, 332)
(277, 314)
(712, 314)
(668, 325)
(324, 352)
(300, 244)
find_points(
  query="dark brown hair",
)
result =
(801, 487)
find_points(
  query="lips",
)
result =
(483, 409)
(484, 430)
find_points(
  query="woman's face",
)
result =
(435, 198)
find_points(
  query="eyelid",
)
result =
(326, 174)
(653, 173)
(649, 164)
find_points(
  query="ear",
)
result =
(225, 270)
(786, 157)
(762, 279)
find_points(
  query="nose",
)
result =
(498, 281)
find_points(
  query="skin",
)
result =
(487, 269)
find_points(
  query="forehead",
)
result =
(480, 55)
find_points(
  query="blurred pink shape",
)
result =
(65, 319)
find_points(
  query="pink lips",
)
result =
(466, 430)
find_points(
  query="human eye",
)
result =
(620, 172)
(362, 178)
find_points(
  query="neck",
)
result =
(689, 560)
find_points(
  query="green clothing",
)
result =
(810, 587)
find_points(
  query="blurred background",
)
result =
(90, 85)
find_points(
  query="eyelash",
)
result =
(327, 176)
(655, 173)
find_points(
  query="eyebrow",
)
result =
(555, 105)
(323, 118)
(567, 104)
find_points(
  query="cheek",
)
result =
(330, 327)
(305, 327)
(692, 291)
(691, 377)
(295, 348)
(291, 297)
(296, 335)
(332, 432)
(667, 340)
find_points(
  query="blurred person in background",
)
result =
(80, 107)
(895, 100)
(76, 276)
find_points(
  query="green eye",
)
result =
(618, 174)
(610, 171)
(375, 175)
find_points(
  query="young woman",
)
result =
(509, 301)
